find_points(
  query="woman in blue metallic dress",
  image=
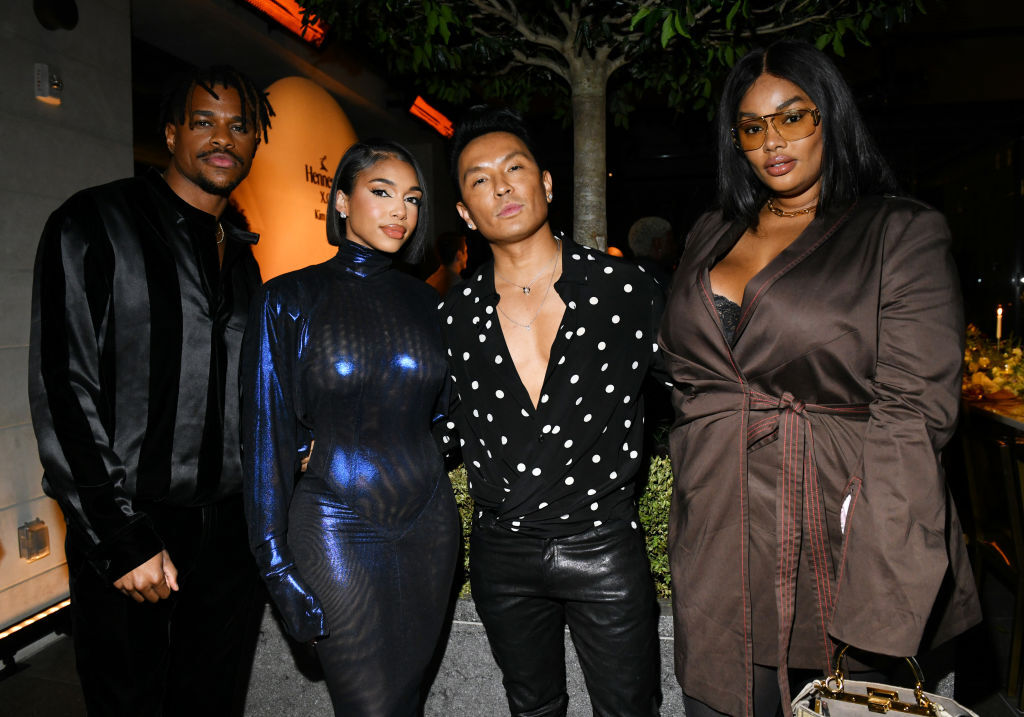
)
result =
(359, 553)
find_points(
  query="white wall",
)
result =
(46, 154)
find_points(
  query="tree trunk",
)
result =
(589, 89)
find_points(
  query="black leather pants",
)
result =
(598, 583)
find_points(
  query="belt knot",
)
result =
(789, 401)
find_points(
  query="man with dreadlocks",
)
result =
(139, 301)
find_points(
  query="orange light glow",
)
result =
(432, 117)
(288, 13)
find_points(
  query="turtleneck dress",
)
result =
(358, 552)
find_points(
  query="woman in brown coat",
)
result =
(814, 336)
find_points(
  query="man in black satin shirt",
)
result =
(140, 296)
(549, 347)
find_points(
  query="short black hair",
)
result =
(851, 163)
(484, 119)
(174, 107)
(448, 245)
(360, 157)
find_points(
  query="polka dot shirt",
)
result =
(568, 464)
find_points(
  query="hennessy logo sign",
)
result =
(319, 178)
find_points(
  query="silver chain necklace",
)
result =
(529, 325)
(526, 287)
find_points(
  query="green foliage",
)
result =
(653, 507)
(513, 52)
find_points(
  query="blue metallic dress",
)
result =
(359, 552)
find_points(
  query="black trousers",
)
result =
(598, 583)
(187, 655)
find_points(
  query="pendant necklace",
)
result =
(780, 212)
(528, 326)
(526, 287)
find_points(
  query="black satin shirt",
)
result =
(568, 464)
(133, 362)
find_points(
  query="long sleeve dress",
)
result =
(359, 553)
(809, 501)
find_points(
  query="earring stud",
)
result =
(343, 215)
(549, 196)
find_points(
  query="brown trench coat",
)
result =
(843, 383)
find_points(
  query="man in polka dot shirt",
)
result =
(549, 347)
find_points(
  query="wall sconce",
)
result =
(49, 85)
(33, 540)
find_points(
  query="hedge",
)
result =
(653, 508)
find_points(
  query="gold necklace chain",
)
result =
(528, 326)
(526, 287)
(780, 212)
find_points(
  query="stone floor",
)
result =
(45, 684)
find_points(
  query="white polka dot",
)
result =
(488, 324)
(572, 304)
(546, 429)
(586, 419)
(516, 523)
(450, 319)
(579, 400)
(582, 330)
(489, 309)
(613, 475)
(556, 429)
(593, 301)
(476, 413)
(568, 335)
(574, 378)
(450, 425)
(524, 412)
(625, 446)
(604, 367)
(633, 523)
(515, 530)
(450, 352)
(635, 364)
(568, 443)
(476, 320)
(499, 393)
(476, 463)
(497, 359)
(576, 257)
(595, 458)
(475, 385)
(564, 517)
(592, 491)
(569, 480)
(639, 334)
(628, 423)
(521, 467)
(601, 346)
(609, 388)
(536, 471)
(626, 399)
(467, 291)
(482, 338)
(561, 361)
(504, 440)
(490, 418)
(654, 348)
(594, 506)
(465, 355)
(544, 398)
(627, 288)
(597, 523)
(542, 506)
(633, 454)
(615, 319)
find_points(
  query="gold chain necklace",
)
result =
(780, 212)
(528, 326)
(526, 287)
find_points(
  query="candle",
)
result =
(999, 323)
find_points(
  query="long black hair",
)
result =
(360, 157)
(174, 106)
(851, 164)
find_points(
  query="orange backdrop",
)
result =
(284, 197)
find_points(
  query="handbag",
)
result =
(837, 696)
